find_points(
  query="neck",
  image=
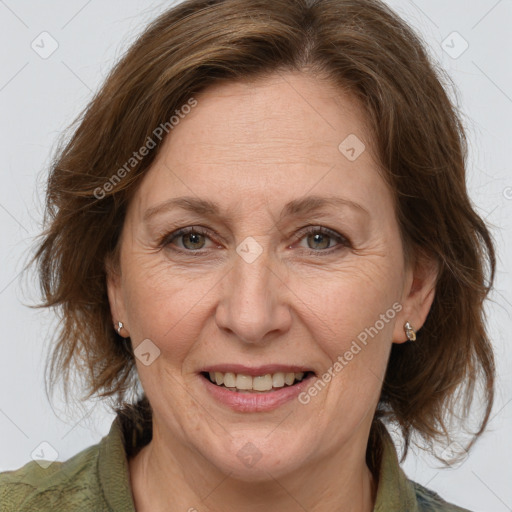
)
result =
(166, 475)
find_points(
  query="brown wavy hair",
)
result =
(365, 49)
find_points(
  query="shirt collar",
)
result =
(395, 491)
(113, 470)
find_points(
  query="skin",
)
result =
(253, 147)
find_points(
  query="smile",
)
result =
(255, 384)
(259, 392)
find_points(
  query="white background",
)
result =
(40, 97)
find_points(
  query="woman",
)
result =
(263, 217)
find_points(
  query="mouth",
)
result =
(256, 384)
(246, 389)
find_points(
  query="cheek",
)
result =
(353, 328)
(348, 302)
(165, 304)
(352, 325)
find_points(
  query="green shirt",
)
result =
(97, 479)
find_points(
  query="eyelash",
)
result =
(343, 241)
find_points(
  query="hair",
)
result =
(364, 49)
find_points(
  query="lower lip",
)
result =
(256, 402)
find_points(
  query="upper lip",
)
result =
(254, 371)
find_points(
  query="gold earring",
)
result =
(409, 332)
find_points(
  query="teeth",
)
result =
(243, 382)
(278, 380)
(258, 383)
(289, 378)
(229, 380)
(262, 383)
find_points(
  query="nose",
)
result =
(254, 303)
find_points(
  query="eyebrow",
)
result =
(296, 207)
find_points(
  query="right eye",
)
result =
(191, 239)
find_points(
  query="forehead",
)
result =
(284, 114)
(278, 138)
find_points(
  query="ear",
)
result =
(114, 290)
(418, 294)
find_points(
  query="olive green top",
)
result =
(97, 479)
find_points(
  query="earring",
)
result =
(119, 327)
(409, 331)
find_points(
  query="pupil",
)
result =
(321, 239)
(193, 238)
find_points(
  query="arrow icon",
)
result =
(454, 45)
(44, 454)
(351, 147)
(249, 249)
(44, 45)
(146, 352)
(249, 454)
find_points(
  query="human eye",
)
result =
(191, 239)
(322, 240)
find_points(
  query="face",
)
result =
(266, 278)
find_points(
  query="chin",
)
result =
(255, 459)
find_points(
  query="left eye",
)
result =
(322, 238)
